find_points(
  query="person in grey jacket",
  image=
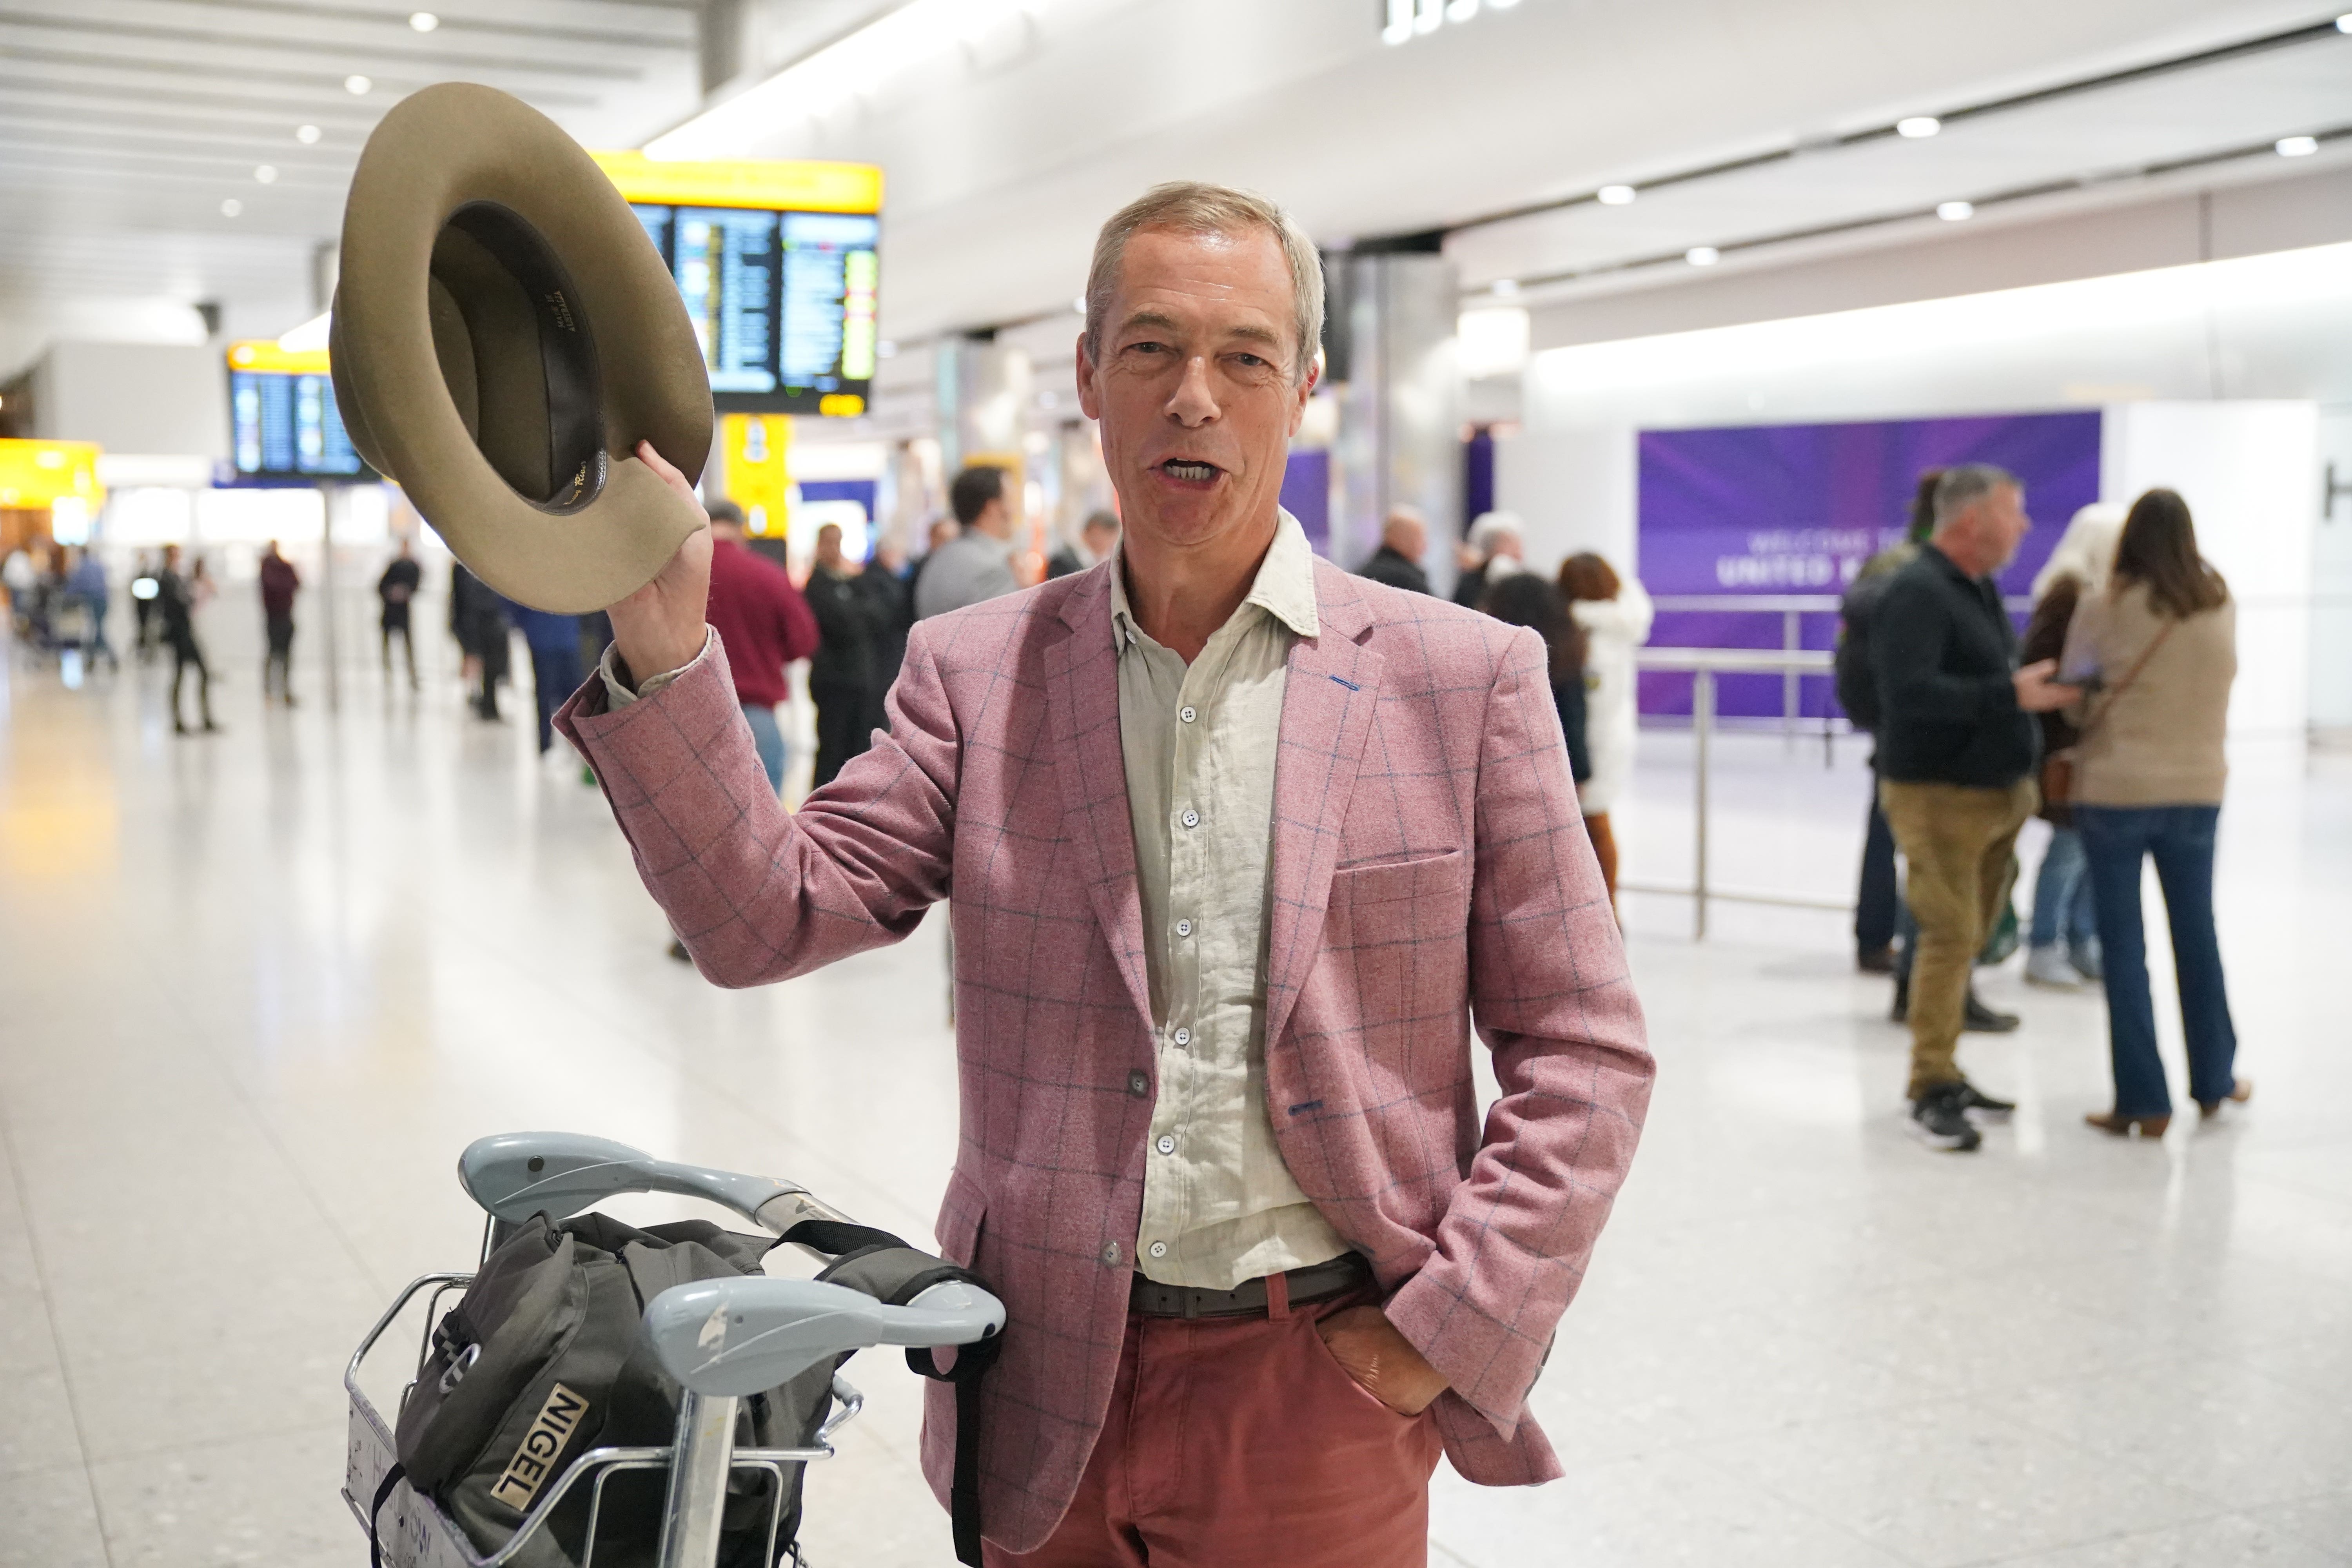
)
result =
(977, 564)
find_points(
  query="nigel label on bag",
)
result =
(557, 1418)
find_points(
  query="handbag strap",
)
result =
(2082, 731)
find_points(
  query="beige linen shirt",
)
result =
(1219, 1205)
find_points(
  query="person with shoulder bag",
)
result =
(2062, 944)
(2156, 653)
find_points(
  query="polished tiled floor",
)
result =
(257, 991)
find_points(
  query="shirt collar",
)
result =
(1285, 586)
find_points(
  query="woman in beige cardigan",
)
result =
(2157, 649)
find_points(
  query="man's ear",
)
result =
(1305, 390)
(1089, 404)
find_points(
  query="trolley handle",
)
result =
(737, 1337)
(514, 1175)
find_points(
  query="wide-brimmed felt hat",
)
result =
(504, 335)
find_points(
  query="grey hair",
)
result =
(1192, 206)
(1965, 484)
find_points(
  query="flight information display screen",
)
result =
(283, 423)
(783, 302)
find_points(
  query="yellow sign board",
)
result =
(264, 354)
(39, 474)
(755, 469)
(773, 184)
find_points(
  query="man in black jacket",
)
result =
(846, 680)
(1397, 562)
(1957, 753)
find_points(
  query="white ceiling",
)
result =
(125, 123)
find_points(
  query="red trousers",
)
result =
(1239, 1440)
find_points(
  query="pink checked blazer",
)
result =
(1428, 870)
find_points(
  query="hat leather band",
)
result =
(567, 351)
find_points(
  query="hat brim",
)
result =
(458, 146)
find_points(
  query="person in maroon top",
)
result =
(278, 583)
(763, 623)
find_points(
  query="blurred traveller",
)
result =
(477, 620)
(977, 564)
(1404, 539)
(892, 586)
(1614, 615)
(87, 582)
(1878, 902)
(1496, 547)
(397, 589)
(1098, 536)
(554, 644)
(2063, 944)
(144, 587)
(1216, 1033)
(851, 624)
(176, 602)
(1524, 599)
(1957, 749)
(279, 582)
(2159, 650)
(763, 624)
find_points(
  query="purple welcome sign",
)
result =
(1797, 509)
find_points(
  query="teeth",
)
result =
(1183, 471)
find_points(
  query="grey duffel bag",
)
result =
(542, 1360)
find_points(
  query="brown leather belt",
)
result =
(1316, 1282)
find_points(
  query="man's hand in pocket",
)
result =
(1368, 1349)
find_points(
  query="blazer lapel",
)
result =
(1332, 688)
(1082, 711)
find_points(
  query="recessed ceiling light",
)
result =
(1918, 126)
(1702, 256)
(357, 86)
(1956, 212)
(1505, 287)
(267, 174)
(424, 21)
(2297, 146)
(2344, 22)
(306, 135)
(1614, 196)
(231, 207)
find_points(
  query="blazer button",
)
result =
(1110, 1255)
(1139, 1084)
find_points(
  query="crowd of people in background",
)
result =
(2105, 718)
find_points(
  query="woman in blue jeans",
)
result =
(2157, 652)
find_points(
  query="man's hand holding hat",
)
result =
(661, 628)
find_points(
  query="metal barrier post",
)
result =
(1702, 727)
(1792, 638)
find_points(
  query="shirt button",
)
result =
(1166, 1146)
(1111, 1254)
(1191, 818)
(1158, 1250)
(1186, 714)
(1183, 928)
(1139, 1084)
(1183, 1036)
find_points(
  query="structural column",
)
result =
(1399, 440)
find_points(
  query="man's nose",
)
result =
(1192, 404)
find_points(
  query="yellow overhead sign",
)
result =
(755, 469)
(770, 183)
(264, 354)
(37, 474)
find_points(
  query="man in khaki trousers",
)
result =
(1957, 750)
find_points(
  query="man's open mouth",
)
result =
(1189, 471)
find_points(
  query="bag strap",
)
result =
(392, 1478)
(2082, 731)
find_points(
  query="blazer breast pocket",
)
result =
(1401, 904)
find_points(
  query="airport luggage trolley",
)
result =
(790, 1325)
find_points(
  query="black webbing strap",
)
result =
(854, 1241)
(392, 1478)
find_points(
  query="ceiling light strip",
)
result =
(2314, 33)
(1977, 206)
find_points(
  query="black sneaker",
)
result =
(1938, 1120)
(1977, 1102)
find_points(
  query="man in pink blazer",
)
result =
(1240, 849)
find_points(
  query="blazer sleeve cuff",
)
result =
(1488, 1365)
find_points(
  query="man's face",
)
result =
(1193, 389)
(2005, 524)
(829, 546)
(1099, 542)
(1508, 544)
(1408, 538)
